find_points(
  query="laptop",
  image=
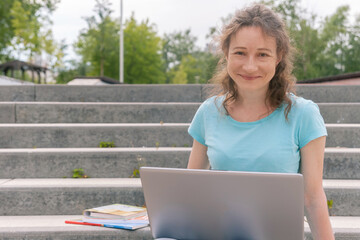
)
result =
(209, 204)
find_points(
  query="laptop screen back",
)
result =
(205, 204)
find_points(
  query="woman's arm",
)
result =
(316, 210)
(198, 158)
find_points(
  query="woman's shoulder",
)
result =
(301, 105)
(300, 102)
(214, 101)
(212, 104)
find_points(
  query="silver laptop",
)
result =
(207, 204)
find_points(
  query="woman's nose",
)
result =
(250, 65)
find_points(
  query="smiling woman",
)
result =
(251, 60)
(257, 55)
(256, 123)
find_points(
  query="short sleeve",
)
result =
(197, 126)
(312, 124)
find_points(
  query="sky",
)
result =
(171, 15)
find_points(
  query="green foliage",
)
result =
(176, 45)
(141, 162)
(25, 31)
(67, 74)
(98, 44)
(184, 62)
(136, 173)
(201, 66)
(6, 28)
(330, 206)
(352, 50)
(79, 173)
(25, 27)
(326, 46)
(107, 145)
(142, 58)
(179, 75)
(330, 203)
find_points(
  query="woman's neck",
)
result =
(249, 107)
(255, 99)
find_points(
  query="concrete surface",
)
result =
(72, 196)
(54, 227)
(96, 162)
(120, 93)
(156, 93)
(145, 112)
(131, 135)
(339, 163)
(47, 112)
(90, 135)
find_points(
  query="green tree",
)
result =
(181, 55)
(335, 34)
(53, 51)
(176, 45)
(26, 30)
(6, 28)
(351, 54)
(142, 56)
(73, 69)
(198, 68)
(305, 38)
(26, 24)
(206, 61)
(309, 50)
(180, 76)
(98, 44)
(322, 45)
(26, 33)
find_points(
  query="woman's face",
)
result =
(252, 59)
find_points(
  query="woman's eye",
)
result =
(239, 53)
(263, 55)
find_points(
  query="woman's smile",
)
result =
(252, 59)
(249, 78)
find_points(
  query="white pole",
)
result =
(121, 52)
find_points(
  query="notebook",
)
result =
(208, 204)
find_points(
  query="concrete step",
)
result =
(96, 162)
(53, 227)
(71, 196)
(109, 93)
(65, 196)
(90, 135)
(342, 163)
(343, 135)
(156, 93)
(340, 112)
(329, 93)
(76, 112)
(107, 112)
(339, 163)
(130, 135)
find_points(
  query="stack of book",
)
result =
(114, 216)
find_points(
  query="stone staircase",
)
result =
(47, 131)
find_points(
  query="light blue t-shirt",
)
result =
(271, 144)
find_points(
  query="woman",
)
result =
(255, 123)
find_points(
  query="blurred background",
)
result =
(165, 41)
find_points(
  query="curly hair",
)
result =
(272, 25)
